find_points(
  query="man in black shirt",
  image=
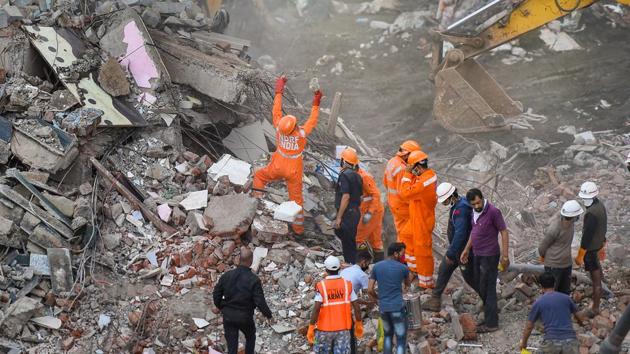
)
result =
(236, 295)
(347, 201)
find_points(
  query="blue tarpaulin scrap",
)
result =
(6, 130)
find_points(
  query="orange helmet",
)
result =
(416, 156)
(410, 145)
(287, 124)
(350, 156)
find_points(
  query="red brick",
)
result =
(469, 326)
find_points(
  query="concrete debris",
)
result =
(103, 321)
(558, 41)
(247, 143)
(61, 270)
(238, 171)
(230, 214)
(112, 78)
(47, 322)
(195, 200)
(17, 315)
(287, 211)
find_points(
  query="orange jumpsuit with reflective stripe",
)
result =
(286, 161)
(370, 203)
(420, 192)
(394, 172)
(335, 313)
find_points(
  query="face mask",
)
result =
(587, 202)
(401, 259)
(416, 171)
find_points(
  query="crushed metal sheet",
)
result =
(248, 143)
(60, 48)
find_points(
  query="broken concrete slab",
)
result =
(287, 211)
(112, 78)
(35, 210)
(231, 214)
(39, 263)
(269, 230)
(195, 200)
(61, 270)
(128, 38)
(195, 223)
(45, 237)
(558, 42)
(65, 205)
(169, 8)
(17, 315)
(116, 111)
(248, 143)
(47, 322)
(259, 254)
(213, 75)
(36, 152)
(7, 230)
(238, 171)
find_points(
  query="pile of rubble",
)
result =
(128, 135)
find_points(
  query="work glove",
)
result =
(282, 80)
(602, 253)
(542, 259)
(358, 329)
(367, 217)
(310, 335)
(579, 259)
(317, 98)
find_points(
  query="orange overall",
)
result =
(286, 161)
(400, 208)
(420, 192)
(370, 203)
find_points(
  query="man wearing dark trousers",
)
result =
(593, 243)
(236, 295)
(487, 223)
(347, 201)
(458, 232)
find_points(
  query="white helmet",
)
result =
(444, 191)
(588, 190)
(332, 263)
(571, 209)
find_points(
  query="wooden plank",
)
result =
(36, 210)
(334, 114)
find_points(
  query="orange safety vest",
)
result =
(335, 314)
(391, 179)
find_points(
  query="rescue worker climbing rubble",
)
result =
(418, 187)
(394, 171)
(371, 224)
(286, 161)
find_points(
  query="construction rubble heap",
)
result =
(129, 133)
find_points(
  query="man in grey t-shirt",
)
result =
(555, 248)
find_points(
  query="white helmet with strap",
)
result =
(444, 191)
(571, 209)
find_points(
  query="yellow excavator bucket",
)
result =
(469, 100)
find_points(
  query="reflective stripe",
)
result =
(405, 179)
(302, 133)
(298, 223)
(289, 156)
(430, 180)
(396, 171)
(367, 199)
(392, 191)
(411, 265)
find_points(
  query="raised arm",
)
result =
(277, 101)
(311, 123)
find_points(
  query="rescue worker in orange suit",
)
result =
(400, 209)
(286, 161)
(370, 226)
(332, 314)
(418, 187)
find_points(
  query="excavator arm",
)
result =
(467, 98)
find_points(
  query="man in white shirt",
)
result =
(357, 275)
